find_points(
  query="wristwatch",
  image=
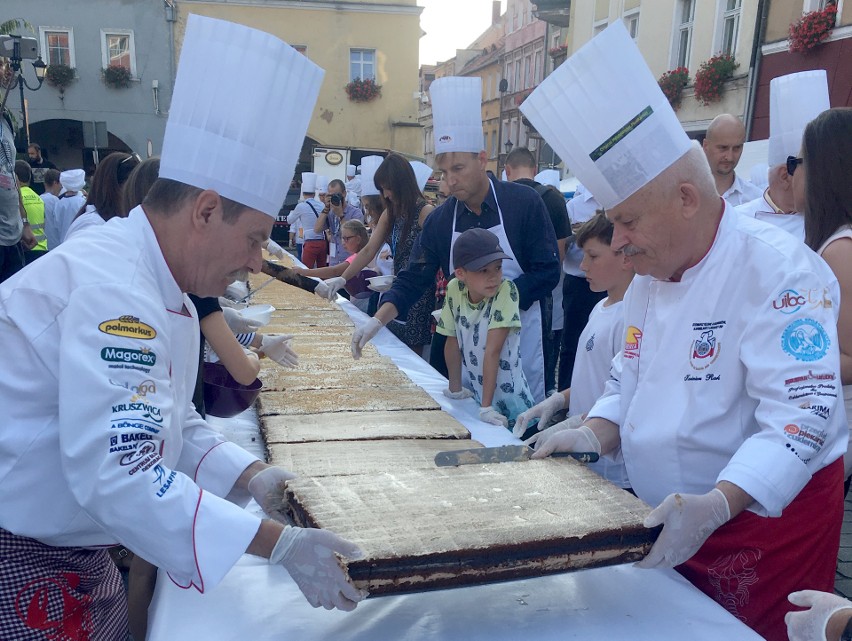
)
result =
(25, 221)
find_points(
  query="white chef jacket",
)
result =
(733, 373)
(762, 209)
(303, 218)
(89, 218)
(353, 191)
(100, 443)
(741, 192)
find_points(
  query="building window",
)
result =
(730, 26)
(598, 26)
(539, 66)
(362, 64)
(683, 32)
(518, 86)
(57, 45)
(117, 48)
(528, 79)
(631, 21)
(487, 88)
(819, 5)
(302, 49)
(509, 75)
(494, 150)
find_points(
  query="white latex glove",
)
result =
(490, 415)
(544, 411)
(275, 249)
(277, 347)
(308, 554)
(333, 284)
(237, 290)
(687, 519)
(227, 302)
(322, 289)
(364, 335)
(457, 396)
(810, 624)
(267, 488)
(238, 323)
(568, 436)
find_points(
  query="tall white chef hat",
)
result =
(794, 100)
(457, 114)
(350, 170)
(548, 177)
(309, 182)
(322, 184)
(369, 164)
(72, 179)
(422, 172)
(240, 138)
(605, 115)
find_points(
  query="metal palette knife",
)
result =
(502, 454)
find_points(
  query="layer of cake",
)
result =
(354, 400)
(370, 375)
(320, 347)
(442, 527)
(353, 426)
(340, 458)
(308, 317)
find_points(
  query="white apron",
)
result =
(531, 348)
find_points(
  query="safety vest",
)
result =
(34, 206)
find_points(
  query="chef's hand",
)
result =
(277, 347)
(811, 625)
(687, 520)
(568, 436)
(321, 289)
(458, 396)
(236, 291)
(238, 323)
(490, 415)
(333, 284)
(275, 249)
(364, 335)
(267, 488)
(308, 554)
(544, 411)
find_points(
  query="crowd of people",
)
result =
(653, 318)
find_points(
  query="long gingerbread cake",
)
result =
(317, 401)
(448, 527)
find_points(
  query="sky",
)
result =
(451, 25)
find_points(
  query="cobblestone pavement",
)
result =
(843, 578)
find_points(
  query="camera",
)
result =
(23, 48)
(336, 200)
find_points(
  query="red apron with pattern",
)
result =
(59, 593)
(750, 564)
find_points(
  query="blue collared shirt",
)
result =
(528, 228)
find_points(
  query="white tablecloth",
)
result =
(261, 603)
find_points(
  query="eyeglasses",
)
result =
(347, 237)
(792, 163)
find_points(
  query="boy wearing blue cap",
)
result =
(482, 323)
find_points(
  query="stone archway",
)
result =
(62, 143)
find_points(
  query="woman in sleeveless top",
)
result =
(823, 190)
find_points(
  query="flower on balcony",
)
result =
(558, 50)
(59, 76)
(711, 76)
(363, 90)
(672, 83)
(116, 76)
(809, 31)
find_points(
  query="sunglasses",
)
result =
(125, 167)
(792, 163)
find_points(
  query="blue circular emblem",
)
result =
(805, 340)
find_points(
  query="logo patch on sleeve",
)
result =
(805, 340)
(128, 327)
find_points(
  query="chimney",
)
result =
(495, 12)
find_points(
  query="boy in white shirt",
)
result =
(606, 270)
(481, 320)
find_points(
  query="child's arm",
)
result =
(452, 355)
(493, 347)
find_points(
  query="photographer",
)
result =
(331, 220)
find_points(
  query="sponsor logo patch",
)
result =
(633, 342)
(791, 301)
(704, 350)
(144, 357)
(805, 340)
(128, 327)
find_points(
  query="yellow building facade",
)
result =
(377, 38)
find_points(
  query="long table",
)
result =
(260, 602)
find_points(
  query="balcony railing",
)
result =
(553, 11)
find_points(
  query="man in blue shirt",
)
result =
(512, 212)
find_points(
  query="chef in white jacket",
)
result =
(794, 100)
(724, 398)
(99, 443)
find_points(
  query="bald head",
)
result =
(723, 146)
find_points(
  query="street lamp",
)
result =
(508, 146)
(503, 87)
(40, 71)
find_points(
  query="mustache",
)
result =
(241, 276)
(630, 250)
